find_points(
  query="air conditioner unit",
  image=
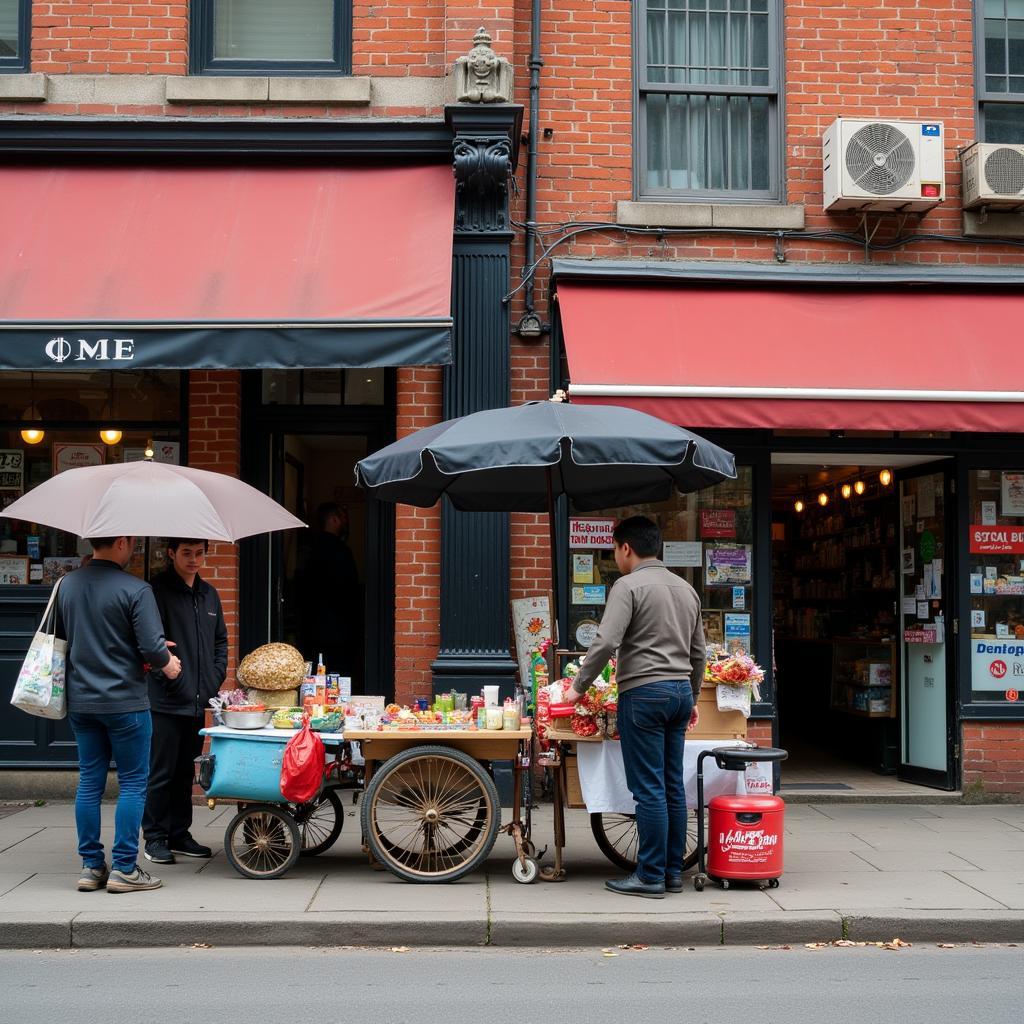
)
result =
(993, 175)
(883, 165)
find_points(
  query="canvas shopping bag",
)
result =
(40, 686)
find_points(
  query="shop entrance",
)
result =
(853, 697)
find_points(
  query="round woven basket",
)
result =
(272, 667)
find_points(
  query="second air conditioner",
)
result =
(993, 175)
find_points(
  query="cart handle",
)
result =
(737, 758)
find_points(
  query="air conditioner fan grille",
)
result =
(880, 159)
(1004, 171)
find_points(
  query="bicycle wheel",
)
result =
(430, 814)
(320, 822)
(262, 841)
(616, 838)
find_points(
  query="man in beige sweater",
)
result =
(653, 620)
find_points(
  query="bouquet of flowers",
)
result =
(735, 676)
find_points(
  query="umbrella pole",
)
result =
(553, 537)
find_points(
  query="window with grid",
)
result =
(1001, 74)
(15, 20)
(708, 80)
(268, 37)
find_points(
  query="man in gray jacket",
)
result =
(653, 620)
(113, 629)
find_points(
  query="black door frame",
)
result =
(932, 777)
(262, 428)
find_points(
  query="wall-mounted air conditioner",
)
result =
(883, 165)
(993, 175)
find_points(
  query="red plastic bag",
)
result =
(302, 767)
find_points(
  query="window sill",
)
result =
(342, 91)
(766, 216)
(18, 86)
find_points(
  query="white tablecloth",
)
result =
(603, 776)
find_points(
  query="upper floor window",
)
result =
(708, 76)
(268, 37)
(15, 21)
(1001, 70)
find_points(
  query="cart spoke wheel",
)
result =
(320, 823)
(430, 814)
(617, 838)
(262, 841)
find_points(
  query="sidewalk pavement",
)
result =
(942, 873)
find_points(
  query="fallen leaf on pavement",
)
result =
(815, 945)
(399, 949)
(844, 942)
(201, 945)
(609, 954)
(946, 945)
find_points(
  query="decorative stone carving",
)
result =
(482, 76)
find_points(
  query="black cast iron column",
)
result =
(474, 647)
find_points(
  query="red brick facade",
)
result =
(871, 58)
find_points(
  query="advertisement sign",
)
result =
(996, 665)
(73, 456)
(591, 533)
(13, 569)
(12, 469)
(718, 522)
(593, 594)
(728, 565)
(1013, 494)
(1007, 540)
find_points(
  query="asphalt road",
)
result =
(294, 986)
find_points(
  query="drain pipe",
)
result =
(530, 324)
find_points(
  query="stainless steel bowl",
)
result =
(247, 719)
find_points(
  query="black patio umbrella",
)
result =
(521, 459)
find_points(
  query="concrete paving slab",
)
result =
(10, 837)
(1005, 886)
(603, 929)
(802, 860)
(925, 839)
(900, 890)
(376, 892)
(824, 842)
(10, 880)
(882, 925)
(874, 812)
(57, 816)
(946, 826)
(40, 931)
(992, 860)
(747, 929)
(964, 844)
(915, 860)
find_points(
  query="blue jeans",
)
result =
(652, 727)
(125, 739)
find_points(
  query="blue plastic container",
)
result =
(247, 767)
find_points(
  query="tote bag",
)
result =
(40, 686)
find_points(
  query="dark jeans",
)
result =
(652, 727)
(125, 740)
(176, 745)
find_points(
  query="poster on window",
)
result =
(718, 522)
(13, 569)
(1013, 494)
(727, 565)
(591, 533)
(54, 568)
(75, 456)
(12, 470)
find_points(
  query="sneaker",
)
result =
(633, 886)
(158, 852)
(188, 847)
(673, 883)
(92, 879)
(132, 881)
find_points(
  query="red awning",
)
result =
(195, 248)
(828, 358)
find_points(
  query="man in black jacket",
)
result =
(194, 621)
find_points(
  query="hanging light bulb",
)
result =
(885, 477)
(149, 452)
(823, 499)
(847, 491)
(109, 435)
(798, 506)
(859, 487)
(32, 435)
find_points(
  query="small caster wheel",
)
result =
(525, 871)
(529, 849)
(698, 883)
(725, 883)
(773, 883)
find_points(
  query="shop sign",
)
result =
(591, 533)
(82, 350)
(12, 469)
(718, 522)
(74, 456)
(1012, 696)
(924, 635)
(1007, 540)
(996, 664)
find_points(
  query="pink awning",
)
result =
(827, 358)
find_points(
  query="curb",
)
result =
(97, 930)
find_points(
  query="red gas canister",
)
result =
(745, 837)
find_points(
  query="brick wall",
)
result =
(993, 759)
(214, 443)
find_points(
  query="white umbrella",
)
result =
(151, 499)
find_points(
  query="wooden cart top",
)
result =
(482, 744)
(437, 735)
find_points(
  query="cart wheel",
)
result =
(430, 814)
(773, 883)
(724, 883)
(262, 841)
(616, 838)
(525, 871)
(319, 822)
(698, 883)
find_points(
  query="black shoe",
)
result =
(188, 847)
(158, 852)
(632, 886)
(673, 883)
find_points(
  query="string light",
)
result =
(885, 477)
(798, 506)
(823, 499)
(859, 487)
(847, 491)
